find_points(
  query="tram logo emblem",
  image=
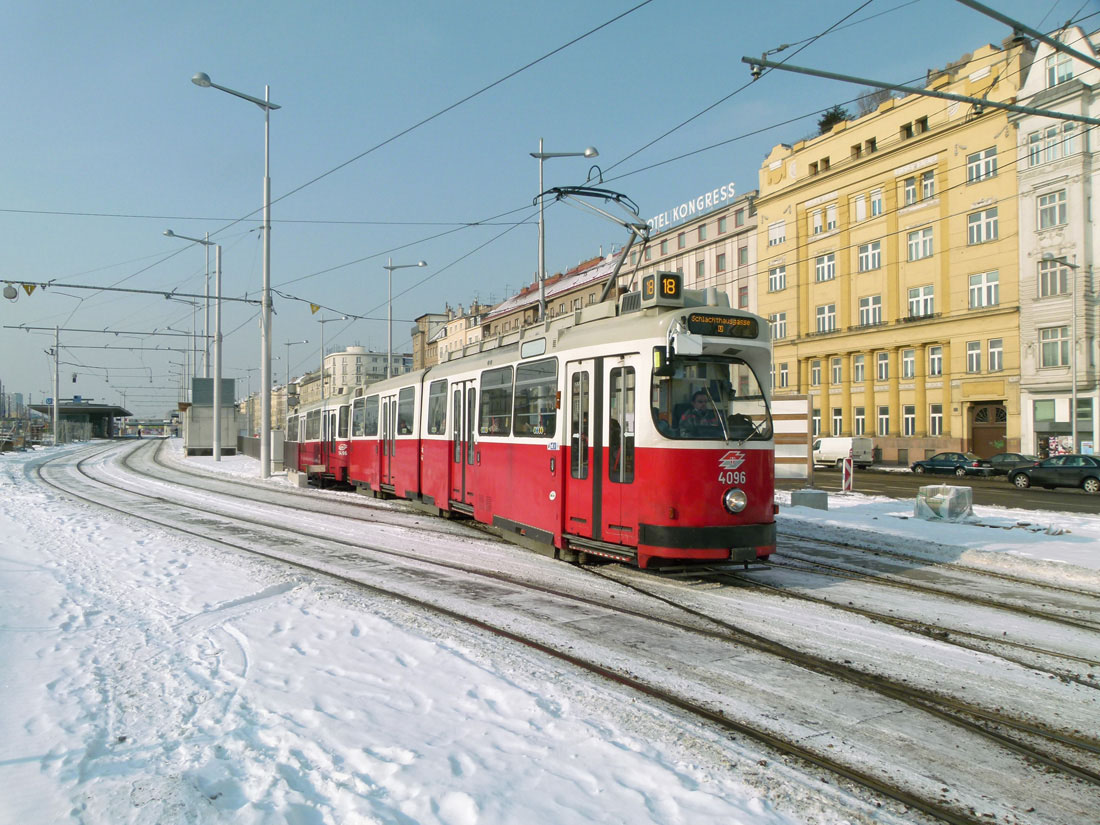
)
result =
(732, 460)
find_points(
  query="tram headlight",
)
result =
(735, 500)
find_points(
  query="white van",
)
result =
(833, 450)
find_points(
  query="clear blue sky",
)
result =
(106, 143)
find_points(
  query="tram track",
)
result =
(338, 553)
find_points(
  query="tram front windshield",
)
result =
(705, 400)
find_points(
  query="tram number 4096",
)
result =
(731, 477)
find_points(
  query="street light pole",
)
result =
(216, 444)
(202, 79)
(288, 345)
(541, 156)
(390, 267)
(322, 322)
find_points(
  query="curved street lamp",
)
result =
(202, 79)
(541, 157)
(217, 419)
(390, 266)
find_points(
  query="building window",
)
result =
(920, 244)
(908, 363)
(837, 369)
(777, 278)
(870, 310)
(783, 375)
(681, 240)
(884, 421)
(857, 369)
(909, 191)
(826, 318)
(702, 232)
(720, 262)
(825, 267)
(1052, 209)
(742, 297)
(838, 420)
(816, 222)
(778, 321)
(1059, 68)
(649, 253)
(909, 420)
(935, 419)
(922, 301)
(973, 356)
(739, 217)
(816, 416)
(996, 353)
(1054, 343)
(935, 361)
(870, 256)
(664, 247)
(722, 225)
(882, 366)
(830, 217)
(859, 421)
(1053, 278)
(985, 290)
(981, 165)
(859, 208)
(742, 255)
(815, 373)
(981, 226)
(1051, 143)
(876, 203)
(927, 185)
(777, 233)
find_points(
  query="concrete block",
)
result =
(818, 499)
(944, 502)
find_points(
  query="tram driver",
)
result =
(700, 417)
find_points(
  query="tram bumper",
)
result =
(738, 543)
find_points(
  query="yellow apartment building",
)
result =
(888, 267)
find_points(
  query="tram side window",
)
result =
(292, 428)
(536, 399)
(496, 402)
(357, 418)
(578, 425)
(437, 408)
(370, 416)
(342, 431)
(313, 425)
(620, 428)
(406, 412)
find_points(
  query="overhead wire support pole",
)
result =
(1030, 32)
(914, 90)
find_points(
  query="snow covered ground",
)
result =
(149, 678)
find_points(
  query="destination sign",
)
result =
(704, 324)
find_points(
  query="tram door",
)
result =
(328, 437)
(619, 523)
(388, 414)
(464, 446)
(583, 458)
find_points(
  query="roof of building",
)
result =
(586, 272)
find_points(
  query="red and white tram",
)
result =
(638, 431)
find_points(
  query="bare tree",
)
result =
(871, 99)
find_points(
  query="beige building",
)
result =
(888, 257)
(711, 247)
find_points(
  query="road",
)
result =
(995, 491)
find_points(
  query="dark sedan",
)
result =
(1003, 463)
(1060, 471)
(960, 464)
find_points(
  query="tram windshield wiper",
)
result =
(718, 414)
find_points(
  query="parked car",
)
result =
(1060, 471)
(1003, 463)
(961, 464)
(832, 450)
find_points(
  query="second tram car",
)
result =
(638, 431)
